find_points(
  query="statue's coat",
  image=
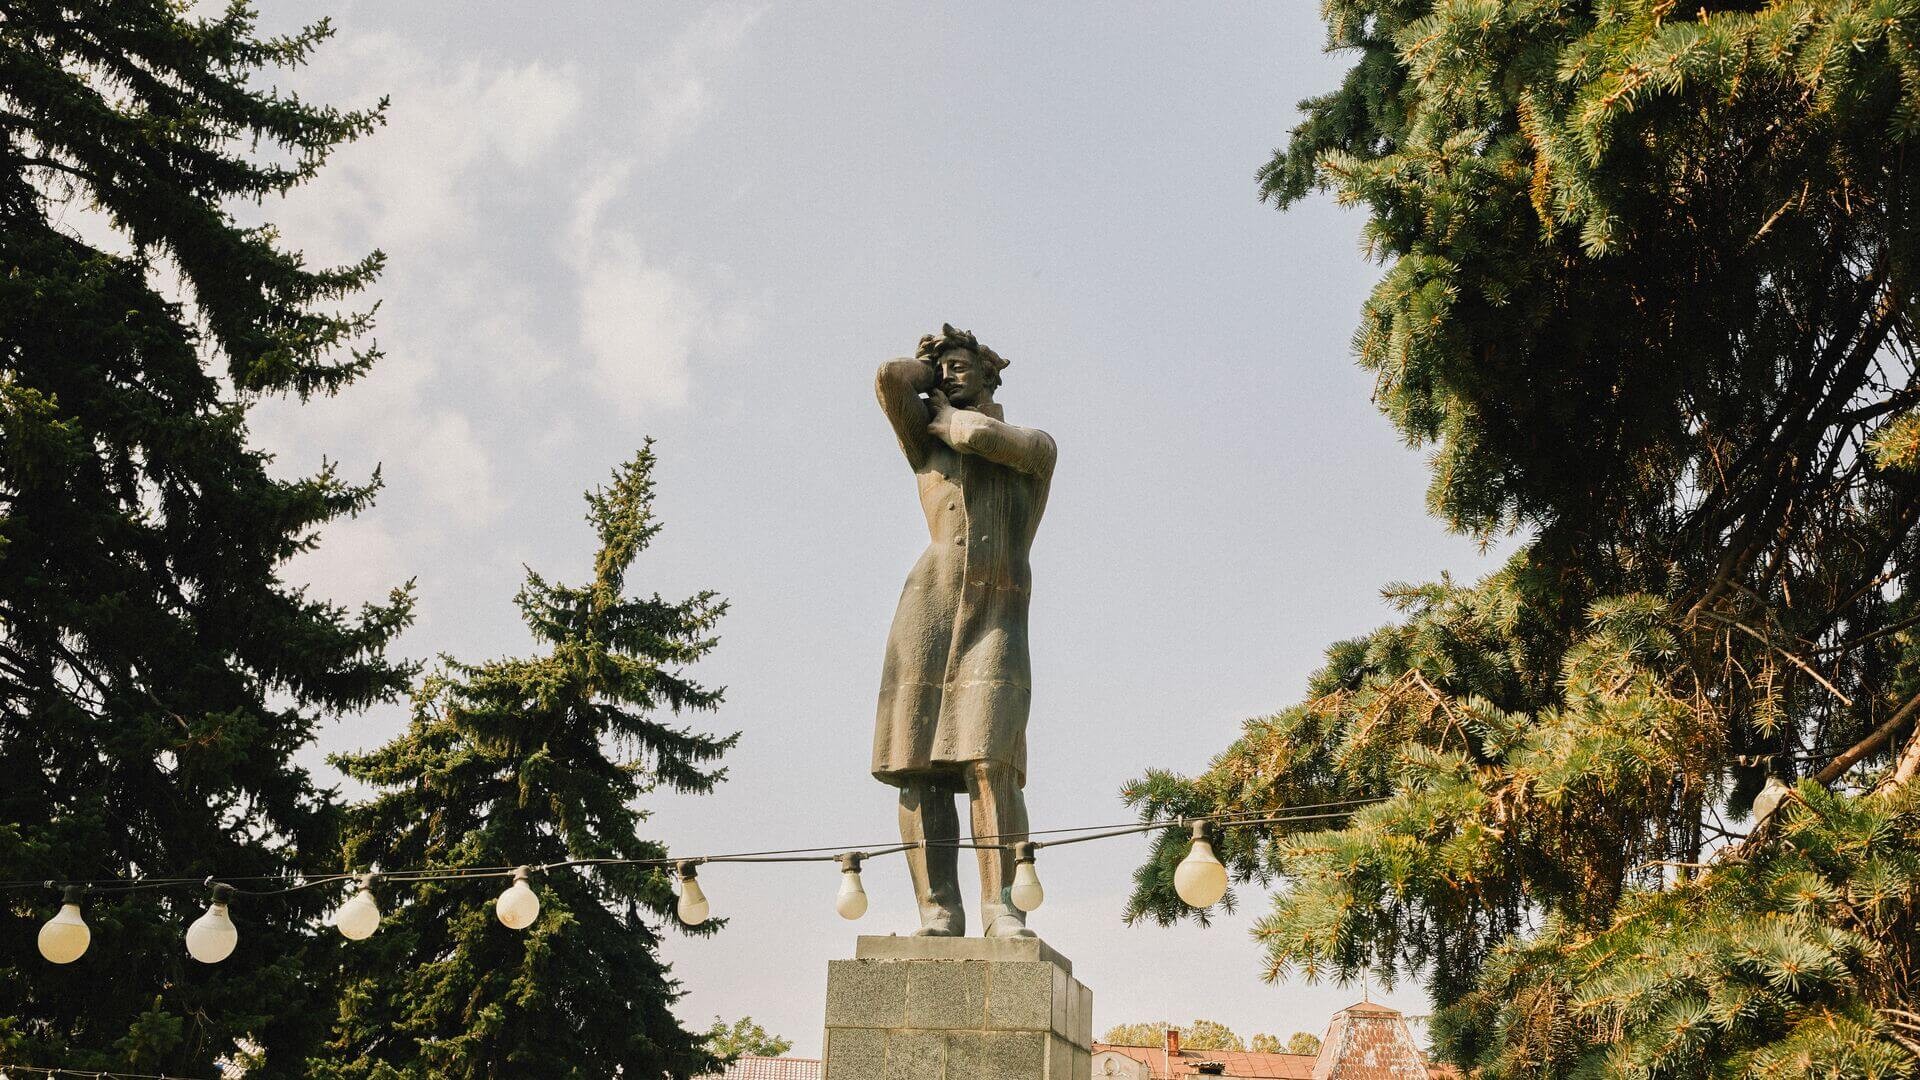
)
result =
(956, 685)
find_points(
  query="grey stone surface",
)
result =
(945, 994)
(902, 947)
(857, 1053)
(966, 1056)
(956, 1009)
(1009, 1054)
(916, 1055)
(1060, 1059)
(866, 995)
(1020, 996)
(1064, 1000)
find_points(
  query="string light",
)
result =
(65, 937)
(692, 908)
(851, 900)
(1026, 892)
(359, 917)
(212, 936)
(519, 905)
(1200, 879)
(8, 1071)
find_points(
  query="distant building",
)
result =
(750, 1067)
(1364, 1042)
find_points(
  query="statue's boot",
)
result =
(927, 817)
(999, 821)
(1005, 921)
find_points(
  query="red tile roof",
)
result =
(1364, 1042)
(749, 1067)
(1238, 1062)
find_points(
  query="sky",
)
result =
(708, 224)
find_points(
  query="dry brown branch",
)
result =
(1868, 745)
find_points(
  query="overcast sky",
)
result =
(709, 224)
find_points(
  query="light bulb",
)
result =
(851, 902)
(519, 905)
(212, 936)
(1026, 892)
(1771, 796)
(1200, 879)
(359, 917)
(692, 908)
(65, 936)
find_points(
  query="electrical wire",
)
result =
(7, 1071)
(1064, 835)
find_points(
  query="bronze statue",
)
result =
(956, 685)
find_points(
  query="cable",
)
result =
(1067, 835)
(43, 1070)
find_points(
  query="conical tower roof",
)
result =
(1366, 1041)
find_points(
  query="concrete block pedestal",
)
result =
(908, 1008)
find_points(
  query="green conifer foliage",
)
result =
(156, 674)
(527, 762)
(1649, 298)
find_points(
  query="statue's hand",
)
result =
(926, 376)
(941, 426)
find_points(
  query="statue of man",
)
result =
(957, 684)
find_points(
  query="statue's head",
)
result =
(969, 371)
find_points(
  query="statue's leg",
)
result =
(999, 817)
(927, 812)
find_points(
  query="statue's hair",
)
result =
(934, 346)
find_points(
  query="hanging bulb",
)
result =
(519, 905)
(1771, 796)
(851, 902)
(1200, 879)
(65, 936)
(693, 900)
(359, 917)
(1026, 892)
(212, 936)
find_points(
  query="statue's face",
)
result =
(963, 378)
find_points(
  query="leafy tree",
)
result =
(1650, 299)
(528, 762)
(157, 675)
(743, 1036)
(1199, 1035)
(1142, 1034)
(1304, 1044)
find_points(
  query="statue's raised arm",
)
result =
(898, 384)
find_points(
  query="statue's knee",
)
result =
(989, 776)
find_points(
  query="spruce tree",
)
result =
(157, 675)
(533, 761)
(1649, 297)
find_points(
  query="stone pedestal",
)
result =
(907, 1008)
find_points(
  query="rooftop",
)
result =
(1242, 1063)
(752, 1067)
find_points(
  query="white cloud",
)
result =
(640, 325)
(408, 185)
(673, 90)
(516, 277)
(640, 322)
